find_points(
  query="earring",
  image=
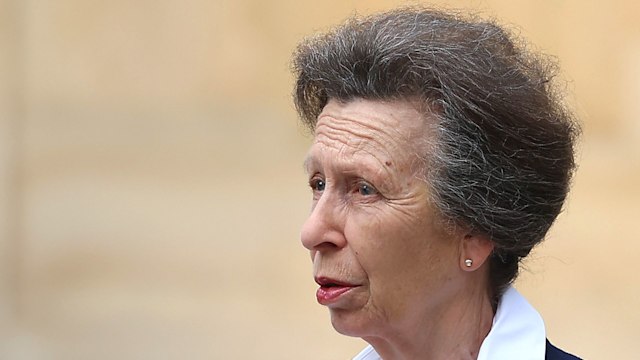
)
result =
(468, 262)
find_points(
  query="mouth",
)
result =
(331, 290)
(329, 282)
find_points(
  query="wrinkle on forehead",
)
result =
(387, 117)
(354, 136)
(356, 159)
(389, 131)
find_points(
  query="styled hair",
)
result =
(502, 157)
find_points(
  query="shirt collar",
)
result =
(517, 332)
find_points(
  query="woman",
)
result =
(441, 157)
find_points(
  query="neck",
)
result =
(454, 330)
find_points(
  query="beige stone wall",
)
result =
(151, 187)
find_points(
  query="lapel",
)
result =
(553, 353)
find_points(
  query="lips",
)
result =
(331, 290)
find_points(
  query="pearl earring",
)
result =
(468, 262)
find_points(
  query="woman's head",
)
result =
(380, 253)
(497, 151)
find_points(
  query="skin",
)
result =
(372, 226)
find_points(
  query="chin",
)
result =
(351, 324)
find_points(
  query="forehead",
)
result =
(393, 130)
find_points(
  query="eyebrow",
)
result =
(306, 164)
(371, 171)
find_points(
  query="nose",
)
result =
(323, 230)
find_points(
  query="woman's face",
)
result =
(382, 259)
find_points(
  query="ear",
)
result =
(476, 248)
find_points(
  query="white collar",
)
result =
(517, 333)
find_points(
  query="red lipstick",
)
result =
(331, 290)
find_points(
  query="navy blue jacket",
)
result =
(553, 353)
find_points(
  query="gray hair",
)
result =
(503, 154)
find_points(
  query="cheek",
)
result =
(400, 251)
(385, 245)
(368, 235)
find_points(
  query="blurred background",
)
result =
(151, 186)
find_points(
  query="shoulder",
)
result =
(553, 353)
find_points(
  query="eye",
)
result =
(366, 189)
(317, 184)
